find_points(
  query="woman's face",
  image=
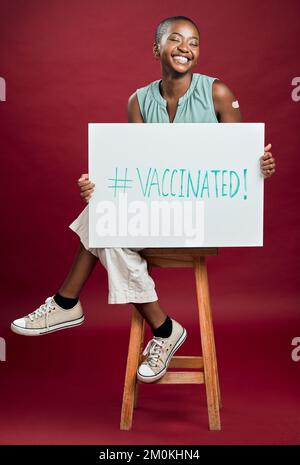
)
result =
(179, 47)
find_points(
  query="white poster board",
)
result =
(176, 185)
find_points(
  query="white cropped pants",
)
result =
(128, 277)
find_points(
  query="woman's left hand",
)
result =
(267, 162)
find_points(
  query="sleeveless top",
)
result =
(195, 106)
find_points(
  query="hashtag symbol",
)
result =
(120, 183)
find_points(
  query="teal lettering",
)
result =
(223, 184)
(245, 183)
(181, 182)
(231, 173)
(205, 185)
(190, 183)
(162, 183)
(216, 180)
(171, 183)
(141, 182)
(154, 183)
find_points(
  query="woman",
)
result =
(180, 96)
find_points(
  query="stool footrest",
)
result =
(191, 361)
(180, 377)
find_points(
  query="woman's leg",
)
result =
(63, 310)
(128, 277)
(81, 268)
(153, 313)
(83, 265)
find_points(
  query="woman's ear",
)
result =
(156, 50)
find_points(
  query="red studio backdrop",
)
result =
(67, 63)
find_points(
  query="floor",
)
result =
(66, 388)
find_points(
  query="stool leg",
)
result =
(215, 357)
(211, 333)
(129, 393)
(207, 342)
(136, 394)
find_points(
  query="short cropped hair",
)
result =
(165, 23)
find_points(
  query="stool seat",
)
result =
(176, 257)
(206, 364)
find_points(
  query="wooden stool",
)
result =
(177, 257)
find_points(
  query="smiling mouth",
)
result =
(180, 59)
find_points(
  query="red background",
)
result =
(67, 63)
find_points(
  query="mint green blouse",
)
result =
(195, 106)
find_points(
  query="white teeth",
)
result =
(181, 59)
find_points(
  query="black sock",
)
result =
(65, 302)
(165, 329)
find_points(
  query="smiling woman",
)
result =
(177, 46)
(180, 96)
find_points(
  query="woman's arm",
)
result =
(134, 113)
(225, 103)
(227, 111)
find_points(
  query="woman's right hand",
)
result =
(86, 187)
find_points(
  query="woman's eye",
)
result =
(177, 40)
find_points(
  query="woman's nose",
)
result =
(183, 47)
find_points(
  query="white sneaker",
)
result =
(47, 318)
(159, 352)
